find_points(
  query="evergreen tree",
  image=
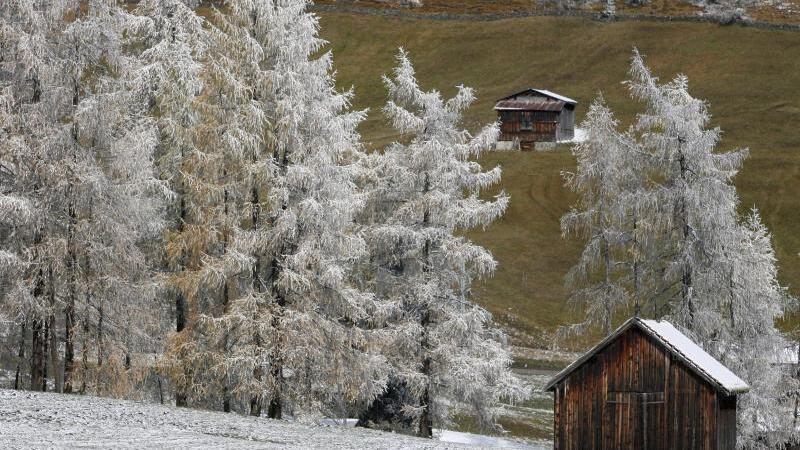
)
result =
(606, 175)
(83, 161)
(321, 353)
(442, 347)
(170, 82)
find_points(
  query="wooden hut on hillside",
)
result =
(535, 115)
(646, 386)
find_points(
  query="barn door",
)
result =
(634, 420)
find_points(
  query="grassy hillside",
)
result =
(750, 77)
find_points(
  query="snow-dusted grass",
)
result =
(45, 420)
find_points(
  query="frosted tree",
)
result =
(211, 151)
(719, 278)
(83, 160)
(174, 43)
(444, 351)
(16, 214)
(696, 198)
(748, 341)
(606, 176)
(26, 40)
(283, 329)
(320, 352)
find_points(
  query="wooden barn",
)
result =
(535, 115)
(646, 386)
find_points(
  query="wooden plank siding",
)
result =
(634, 394)
(528, 126)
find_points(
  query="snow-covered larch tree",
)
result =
(272, 229)
(607, 172)
(696, 198)
(205, 251)
(83, 160)
(321, 357)
(747, 338)
(445, 353)
(174, 43)
(719, 278)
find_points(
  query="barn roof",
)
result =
(526, 105)
(700, 362)
(545, 93)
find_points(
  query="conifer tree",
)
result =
(695, 261)
(212, 150)
(443, 348)
(83, 160)
(696, 200)
(606, 174)
(174, 43)
(320, 351)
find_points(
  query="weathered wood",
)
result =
(529, 118)
(636, 394)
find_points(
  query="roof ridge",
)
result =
(733, 385)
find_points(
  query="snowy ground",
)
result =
(40, 420)
(580, 136)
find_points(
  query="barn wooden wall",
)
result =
(566, 123)
(543, 126)
(634, 395)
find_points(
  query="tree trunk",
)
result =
(54, 358)
(426, 420)
(44, 355)
(180, 325)
(69, 347)
(85, 345)
(275, 409)
(607, 310)
(636, 295)
(69, 309)
(37, 349)
(255, 400)
(54, 362)
(100, 352)
(180, 301)
(37, 355)
(686, 278)
(226, 389)
(20, 356)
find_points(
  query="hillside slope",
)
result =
(750, 77)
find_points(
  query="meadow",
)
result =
(750, 77)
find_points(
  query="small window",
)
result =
(526, 122)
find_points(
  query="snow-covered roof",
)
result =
(676, 343)
(528, 105)
(544, 92)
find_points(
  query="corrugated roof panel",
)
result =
(527, 105)
(545, 93)
(556, 96)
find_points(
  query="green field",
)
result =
(751, 78)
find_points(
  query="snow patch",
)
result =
(458, 437)
(580, 136)
(455, 437)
